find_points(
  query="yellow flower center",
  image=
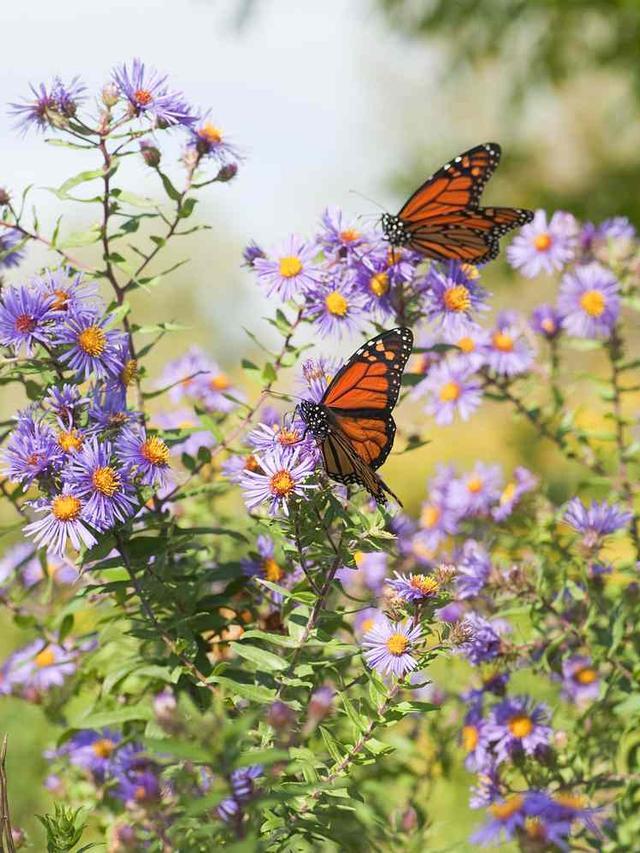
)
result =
(210, 133)
(367, 624)
(430, 516)
(503, 811)
(379, 283)
(397, 644)
(290, 266)
(467, 344)
(349, 235)
(25, 323)
(45, 658)
(287, 437)
(251, 463)
(92, 340)
(586, 675)
(106, 480)
(502, 341)
(569, 800)
(155, 451)
(282, 484)
(474, 485)
(457, 298)
(220, 382)
(71, 440)
(424, 584)
(140, 793)
(548, 325)
(470, 270)
(535, 829)
(129, 371)
(592, 301)
(272, 570)
(66, 508)
(336, 303)
(450, 392)
(469, 738)
(520, 725)
(507, 493)
(103, 747)
(143, 97)
(542, 242)
(60, 299)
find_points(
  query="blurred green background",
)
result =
(325, 99)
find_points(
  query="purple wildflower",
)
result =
(546, 321)
(58, 569)
(288, 269)
(509, 352)
(282, 477)
(507, 816)
(38, 666)
(336, 306)
(597, 521)
(389, 646)
(209, 141)
(473, 567)
(473, 493)
(263, 563)
(375, 280)
(148, 95)
(474, 741)
(32, 450)
(184, 421)
(414, 587)
(483, 643)
(580, 680)
(473, 347)
(50, 106)
(64, 517)
(93, 349)
(63, 402)
(316, 375)
(145, 457)
(453, 297)
(10, 254)
(544, 247)
(523, 481)
(108, 409)
(251, 252)
(136, 775)
(242, 782)
(99, 480)
(517, 725)
(68, 291)
(338, 237)
(589, 302)
(24, 319)
(93, 751)
(451, 390)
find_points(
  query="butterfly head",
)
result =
(315, 417)
(394, 230)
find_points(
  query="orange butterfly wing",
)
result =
(343, 464)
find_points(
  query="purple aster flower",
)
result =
(517, 725)
(64, 516)
(365, 619)
(473, 567)
(375, 280)
(371, 571)
(389, 646)
(450, 613)
(546, 321)
(473, 347)
(438, 519)
(597, 521)
(242, 782)
(484, 641)
(10, 254)
(569, 807)
(147, 94)
(63, 402)
(191, 436)
(237, 465)
(24, 319)
(68, 291)
(263, 563)
(615, 234)
(451, 390)
(336, 306)
(589, 302)
(415, 587)
(182, 374)
(58, 569)
(32, 450)
(229, 810)
(287, 435)
(143, 456)
(580, 680)
(50, 106)
(93, 751)
(282, 477)
(316, 375)
(473, 493)
(15, 560)
(209, 141)
(339, 238)
(506, 817)
(97, 478)
(288, 269)
(523, 481)
(38, 666)
(108, 409)
(543, 246)
(215, 392)
(320, 705)
(509, 352)
(487, 789)
(453, 297)
(136, 775)
(474, 741)
(93, 349)
(251, 252)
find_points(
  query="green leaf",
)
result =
(84, 177)
(169, 188)
(253, 692)
(331, 744)
(262, 659)
(187, 207)
(101, 719)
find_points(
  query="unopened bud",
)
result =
(110, 95)
(251, 252)
(445, 573)
(280, 716)
(227, 172)
(320, 704)
(165, 709)
(19, 837)
(123, 839)
(409, 820)
(150, 154)
(560, 739)
(5, 198)
(461, 633)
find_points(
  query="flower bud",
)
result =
(461, 633)
(560, 739)
(150, 154)
(5, 198)
(18, 837)
(123, 839)
(227, 172)
(110, 95)
(320, 704)
(280, 716)
(165, 709)
(409, 820)
(445, 573)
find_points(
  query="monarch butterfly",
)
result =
(352, 423)
(442, 219)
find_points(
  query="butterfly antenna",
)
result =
(370, 200)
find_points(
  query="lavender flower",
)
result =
(288, 269)
(242, 782)
(143, 456)
(68, 291)
(136, 775)
(37, 667)
(580, 680)
(263, 563)
(10, 254)
(483, 643)
(338, 237)
(544, 247)
(93, 349)
(32, 450)
(108, 409)
(517, 725)
(473, 493)
(473, 567)
(63, 401)
(474, 741)
(507, 816)
(209, 141)
(414, 587)
(589, 302)
(65, 517)
(546, 321)
(24, 319)
(106, 487)
(523, 481)
(50, 105)
(282, 476)
(597, 521)
(451, 390)
(58, 569)
(453, 297)
(336, 306)
(509, 352)
(93, 751)
(148, 95)
(316, 375)
(389, 647)
(473, 346)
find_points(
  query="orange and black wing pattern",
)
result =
(361, 397)
(344, 464)
(443, 221)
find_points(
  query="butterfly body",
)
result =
(353, 423)
(443, 220)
